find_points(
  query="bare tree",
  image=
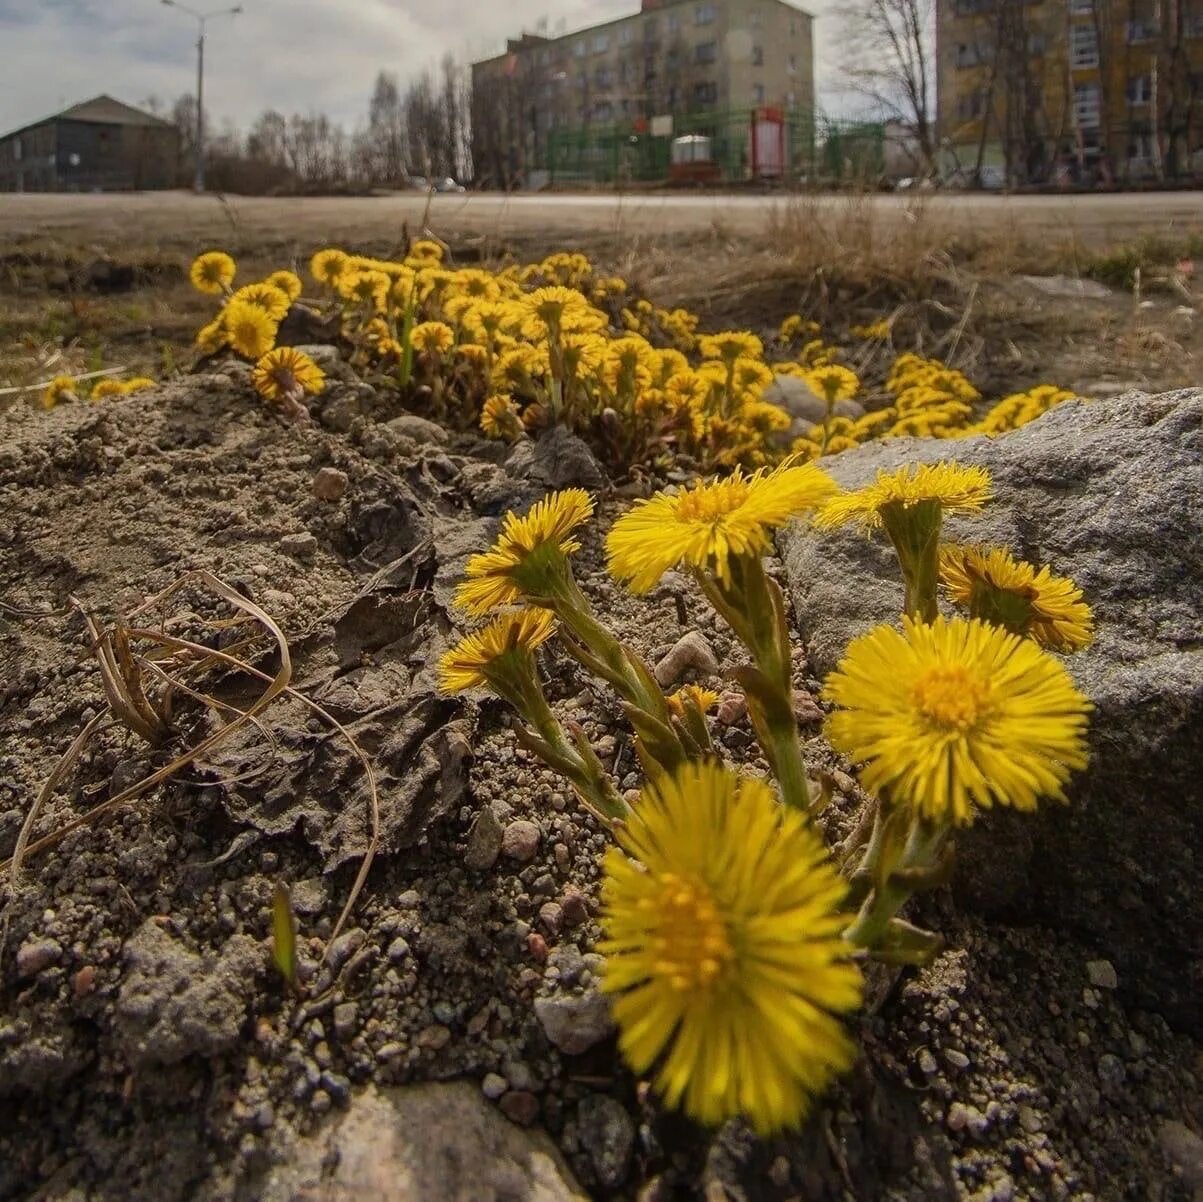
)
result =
(890, 61)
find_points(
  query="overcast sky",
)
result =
(291, 55)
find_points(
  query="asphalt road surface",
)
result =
(168, 216)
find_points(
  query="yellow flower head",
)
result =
(61, 388)
(957, 489)
(287, 373)
(432, 336)
(833, 383)
(107, 388)
(556, 308)
(137, 384)
(426, 250)
(994, 586)
(730, 345)
(211, 338)
(721, 927)
(212, 272)
(526, 548)
(327, 266)
(500, 418)
(365, 287)
(287, 281)
(951, 714)
(249, 329)
(468, 664)
(692, 694)
(704, 526)
(272, 300)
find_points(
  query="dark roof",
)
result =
(100, 110)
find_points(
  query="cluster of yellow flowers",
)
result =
(731, 938)
(523, 347)
(68, 388)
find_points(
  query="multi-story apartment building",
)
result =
(673, 57)
(1046, 91)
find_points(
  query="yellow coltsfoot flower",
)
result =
(706, 525)
(274, 301)
(287, 281)
(692, 694)
(328, 266)
(526, 550)
(61, 388)
(500, 418)
(430, 336)
(107, 388)
(955, 488)
(249, 330)
(212, 272)
(991, 584)
(473, 662)
(286, 374)
(723, 951)
(950, 715)
(730, 345)
(833, 383)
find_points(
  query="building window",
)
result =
(651, 29)
(1086, 106)
(579, 49)
(792, 68)
(705, 93)
(541, 58)
(16, 150)
(1140, 30)
(1037, 45)
(674, 22)
(626, 35)
(754, 18)
(704, 14)
(601, 43)
(603, 77)
(1194, 26)
(758, 93)
(1081, 8)
(603, 111)
(790, 99)
(705, 52)
(757, 56)
(971, 54)
(1140, 89)
(1083, 47)
(971, 106)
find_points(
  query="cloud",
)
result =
(291, 55)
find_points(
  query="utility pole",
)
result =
(201, 20)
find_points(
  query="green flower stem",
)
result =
(915, 533)
(752, 605)
(924, 842)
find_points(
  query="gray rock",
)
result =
(329, 484)
(301, 546)
(608, 1134)
(690, 653)
(1068, 286)
(1110, 493)
(426, 1143)
(1185, 1149)
(575, 1024)
(37, 955)
(173, 1004)
(559, 459)
(420, 429)
(1102, 974)
(484, 841)
(797, 398)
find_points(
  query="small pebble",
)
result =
(37, 956)
(519, 1107)
(329, 484)
(484, 841)
(574, 910)
(346, 1018)
(434, 1037)
(320, 1102)
(957, 1059)
(520, 840)
(927, 1062)
(493, 1086)
(1102, 974)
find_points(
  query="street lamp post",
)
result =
(201, 19)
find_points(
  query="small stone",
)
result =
(536, 947)
(551, 915)
(398, 950)
(299, 546)
(957, 1118)
(434, 1037)
(1030, 1120)
(731, 708)
(84, 981)
(562, 857)
(806, 709)
(420, 429)
(927, 1062)
(1102, 974)
(779, 1172)
(958, 1060)
(520, 840)
(691, 652)
(320, 1102)
(329, 484)
(389, 1051)
(1185, 1149)
(493, 1086)
(484, 841)
(37, 956)
(607, 1132)
(1112, 1074)
(346, 1018)
(519, 1107)
(575, 1024)
(574, 909)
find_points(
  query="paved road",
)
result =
(179, 216)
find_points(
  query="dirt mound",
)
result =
(147, 1048)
